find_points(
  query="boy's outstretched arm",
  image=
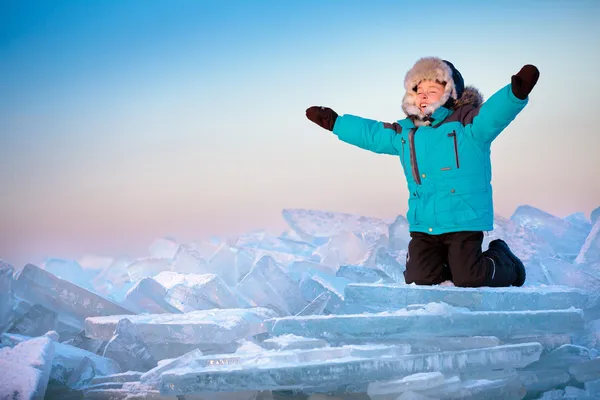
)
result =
(503, 106)
(361, 132)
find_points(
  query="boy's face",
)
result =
(428, 92)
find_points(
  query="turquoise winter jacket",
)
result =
(447, 164)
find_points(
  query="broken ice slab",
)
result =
(435, 321)
(6, 294)
(71, 270)
(561, 272)
(72, 303)
(83, 342)
(292, 342)
(586, 371)
(314, 286)
(201, 292)
(129, 376)
(318, 305)
(147, 267)
(299, 375)
(544, 380)
(249, 359)
(82, 375)
(292, 357)
(151, 377)
(26, 369)
(382, 297)
(431, 344)
(204, 326)
(67, 358)
(167, 350)
(127, 349)
(267, 285)
(360, 274)
(419, 381)
(148, 296)
(314, 226)
(593, 387)
(549, 341)
(561, 358)
(35, 322)
(507, 388)
(127, 391)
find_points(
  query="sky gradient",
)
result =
(124, 121)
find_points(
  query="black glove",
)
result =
(322, 116)
(524, 81)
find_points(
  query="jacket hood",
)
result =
(455, 94)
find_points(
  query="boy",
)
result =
(444, 148)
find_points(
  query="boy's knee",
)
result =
(421, 280)
(469, 281)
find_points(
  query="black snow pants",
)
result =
(458, 257)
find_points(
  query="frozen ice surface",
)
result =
(268, 285)
(205, 326)
(72, 303)
(148, 296)
(429, 323)
(26, 369)
(380, 297)
(340, 371)
(6, 293)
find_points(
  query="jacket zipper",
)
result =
(403, 141)
(413, 156)
(453, 135)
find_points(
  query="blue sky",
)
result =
(123, 121)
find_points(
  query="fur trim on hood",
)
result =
(455, 94)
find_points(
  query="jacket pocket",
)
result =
(465, 200)
(402, 154)
(452, 136)
(413, 205)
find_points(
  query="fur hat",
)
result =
(435, 69)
